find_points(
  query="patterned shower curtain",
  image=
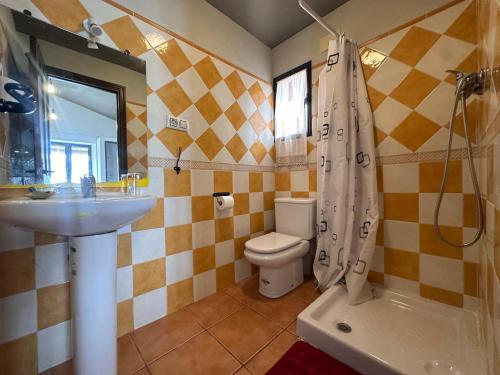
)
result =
(347, 187)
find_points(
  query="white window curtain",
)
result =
(291, 120)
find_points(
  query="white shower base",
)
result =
(394, 334)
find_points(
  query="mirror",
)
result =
(69, 107)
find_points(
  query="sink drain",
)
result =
(344, 327)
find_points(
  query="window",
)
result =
(292, 98)
(70, 161)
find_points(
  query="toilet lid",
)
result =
(271, 243)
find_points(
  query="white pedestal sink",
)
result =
(91, 224)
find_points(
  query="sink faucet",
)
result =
(88, 186)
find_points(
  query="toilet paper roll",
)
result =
(225, 202)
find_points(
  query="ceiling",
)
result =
(273, 21)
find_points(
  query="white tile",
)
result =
(197, 123)
(240, 182)
(223, 156)
(256, 202)
(153, 35)
(446, 52)
(440, 22)
(471, 253)
(471, 303)
(223, 68)
(179, 266)
(266, 110)
(14, 238)
(451, 212)
(150, 306)
(223, 129)
(157, 113)
(155, 182)
(439, 141)
(158, 74)
(203, 234)
(247, 135)
(401, 235)
(202, 182)
(241, 226)
(387, 44)
(283, 194)
(378, 259)
(18, 316)
(51, 264)
(222, 95)
(438, 105)
(269, 221)
(54, 345)
(247, 79)
(401, 178)
(124, 284)
(204, 284)
(442, 272)
(156, 149)
(148, 245)
(389, 114)
(125, 229)
(467, 186)
(490, 221)
(242, 269)
(224, 253)
(194, 153)
(267, 138)
(192, 84)
(398, 283)
(299, 180)
(389, 75)
(177, 211)
(194, 55)
(389, 146)
(268, 181)
(247, 104)
(102, 13)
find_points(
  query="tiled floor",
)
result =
(236, 331)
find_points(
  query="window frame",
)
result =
(308, 68)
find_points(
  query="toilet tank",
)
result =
(296, 217)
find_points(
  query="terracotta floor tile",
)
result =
(165, 334)
(200, 355)
(292, 328)
(144, 371)
(65, 368)
(307, 291)
(213, 309)
(244, 333)
(265, 359)
(246, 291)
(243, 371)
(283, 310)
(129, 360)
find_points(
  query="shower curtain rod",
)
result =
(317, 17)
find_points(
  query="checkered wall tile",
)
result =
(137, 138)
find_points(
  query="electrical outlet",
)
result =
(177, 124)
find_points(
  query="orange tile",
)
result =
(300, 194)
(125, 317)
(153, 219)
(442, 295)
(470, 64)
(178, 238)
(266, 359)
(414, 88)
(149, 276)
(200, 355)
(414, 131)
(258, 151)
(223, 181)
(65, 368)
(224, 229)
(313, 179)
(257, 122)
(376, 277)
(235, 84)
(210, 144)
(430, 243)
(208, 108)
(401, 206)
(380, 234)
(257, 331)
(175, 98)
(224, 276)
(469, 211)
(208, 72)
(213, 309)
(124, 251)
(19, 356)
(202, 208)
(236, 148)
(173, 57)
(66, 14)
(53, 305)
(256, 222)
(203, 259)
(173, 139)
(283, 181)
(239, 247)
(48, 238)
(414, 45)
(269, 200)
(401, 263)
(470, 278)
(257, 94)
(431, 174)
(307, 291)
(177, 185)
(378, 136)
(376, 97)
(235, 115)
(125, 34)
(129, 359)
(380, 178)
(462, 26)
(241, 203)
(17, 271)
(473, 109)
(165, 334)
(256, 184)
(282, 311)
(179, 295)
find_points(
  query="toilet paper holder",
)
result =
(220, 194)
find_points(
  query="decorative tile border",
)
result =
(205, 165)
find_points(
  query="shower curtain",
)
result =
(347, 215)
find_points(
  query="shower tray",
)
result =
(393, 333)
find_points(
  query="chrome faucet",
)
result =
(88, 186)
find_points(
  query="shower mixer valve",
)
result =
(476, 82)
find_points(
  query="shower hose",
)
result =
(461, 97)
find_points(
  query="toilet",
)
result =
(280, 254)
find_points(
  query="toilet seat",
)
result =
(272, 243)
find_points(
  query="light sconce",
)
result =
(94, 31)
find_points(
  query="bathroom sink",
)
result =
(72, 215)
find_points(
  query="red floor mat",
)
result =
(305, 359)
